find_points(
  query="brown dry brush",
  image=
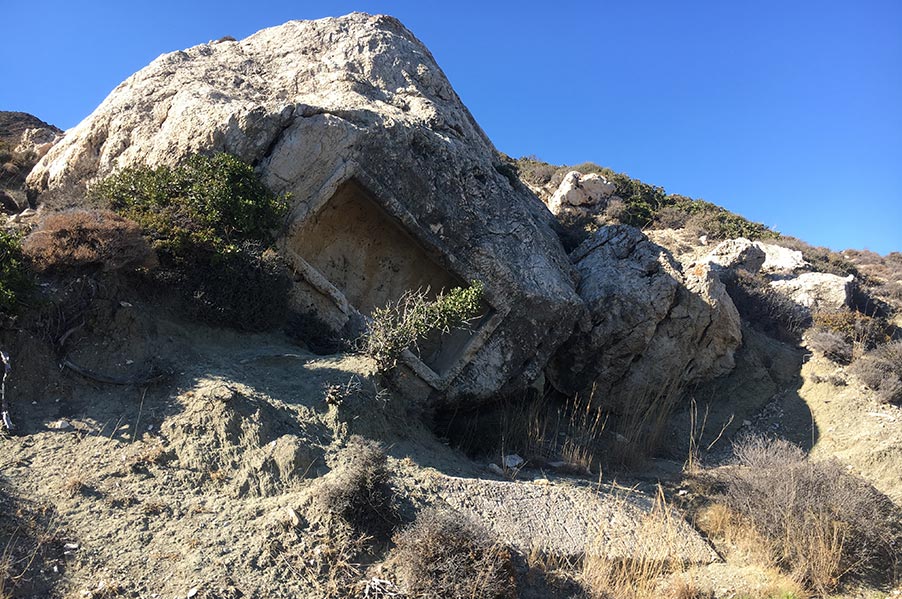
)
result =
(881, 370)
(446, 554)
(817, 521)
(79, 239)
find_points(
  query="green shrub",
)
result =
(860, 331)
(210, 202)
(400, 325)
(211, 220)
(14, 278)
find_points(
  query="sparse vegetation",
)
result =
(357, 497)
(843, 336)
(643, 205)
(813, 519)
(80, 239)
(766, 309)
(400, 325)
(445, 554)
(881, 370)
(14, 279)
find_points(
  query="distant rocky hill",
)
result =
(24, 138)
(14, 124)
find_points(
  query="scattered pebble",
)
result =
(59, 425)
(495, 469)
(192, 592)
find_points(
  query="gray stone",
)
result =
(817, 291)
(394, 185)
(652, 327)
(779, 260)
(739, 253)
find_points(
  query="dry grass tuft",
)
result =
(643, 574)
(88, 238)
(445, 554)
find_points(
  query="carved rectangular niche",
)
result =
(366, 254)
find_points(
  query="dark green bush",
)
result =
(14, 278)
(211, 220)
(210, 202)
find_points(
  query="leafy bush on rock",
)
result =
(398, 326)
(211, 202)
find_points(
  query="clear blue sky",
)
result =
(789, 113)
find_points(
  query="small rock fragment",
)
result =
(513, 461)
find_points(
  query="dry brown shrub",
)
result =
(356, 498)
(80, 239)
(445, 554)
(813, 519)
(881, 371)
(644, 573)
(832, 345)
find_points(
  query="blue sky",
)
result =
(789, 113)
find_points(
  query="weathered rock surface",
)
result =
(394, 185)
(780, 260)
(739, 253)
(581, 193)
(652, 326)
(817, 291)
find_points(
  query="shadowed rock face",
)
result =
(353, 117)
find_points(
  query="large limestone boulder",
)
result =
(739, 253)
(394, 185)
(653, 327)
(817, 291)
(779, 260)
(581, 194)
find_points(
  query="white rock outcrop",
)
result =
(739, 253)
(394, 185)
(817, 291)
(779, 260)
(583, 193)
